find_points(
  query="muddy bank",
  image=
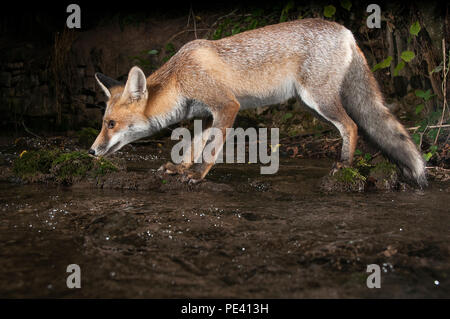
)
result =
(63, 160)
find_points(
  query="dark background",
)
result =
(46, 71)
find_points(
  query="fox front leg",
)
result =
(172, 169)
(191, 156)
(222, 120)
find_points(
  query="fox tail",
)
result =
(362, 99)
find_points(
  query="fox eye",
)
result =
(111, 124)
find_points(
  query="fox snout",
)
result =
(101, 145)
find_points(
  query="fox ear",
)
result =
(136, 87)
(106, 83)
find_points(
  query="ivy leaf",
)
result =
(383, 64)
(407, 56)
(426, 95)
(415, 28)
(399, 67)
(152, 52)
(346, 4)
(427, 156)
(419, 108)
(329, 11)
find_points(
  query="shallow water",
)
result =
(272, 236)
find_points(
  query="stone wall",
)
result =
(52, 87)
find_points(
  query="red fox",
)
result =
(314, 60)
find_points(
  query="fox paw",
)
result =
(191, 177)
(338, 166)
(172, 169)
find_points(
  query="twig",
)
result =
(430, 126)
(191, 12)
(444, 90)
(187, 30)
(223, 17)
(28, 131)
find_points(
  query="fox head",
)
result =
(124, 120)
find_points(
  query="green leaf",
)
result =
(419, 108)
(285, 11)
(437, 69)
(287, 116)
(415, 28)
(358, 152)
(426, 95)
(407, 56)
(346, 4)
(153, 52)
(399, 67)
(416, 138)
(383, 64)
(427, 156)
(367, 157)
(329, 11)
(236, 30)
(432, 133)
(433, 149)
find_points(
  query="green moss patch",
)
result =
(60, 167)
(347, 179)
(384, 175)
(367, 174)
(349, 175)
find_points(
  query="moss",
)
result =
(346, 179)
(384, 175)
(31, 163)
(86, 136)
(60, 167)
(104, 166)
(363, 166)
(349, 175)
(385, 168)
(68, 167)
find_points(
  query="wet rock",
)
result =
(384, 176)
(345, 180)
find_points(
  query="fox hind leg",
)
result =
(332, 110)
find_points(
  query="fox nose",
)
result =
(91, 151)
